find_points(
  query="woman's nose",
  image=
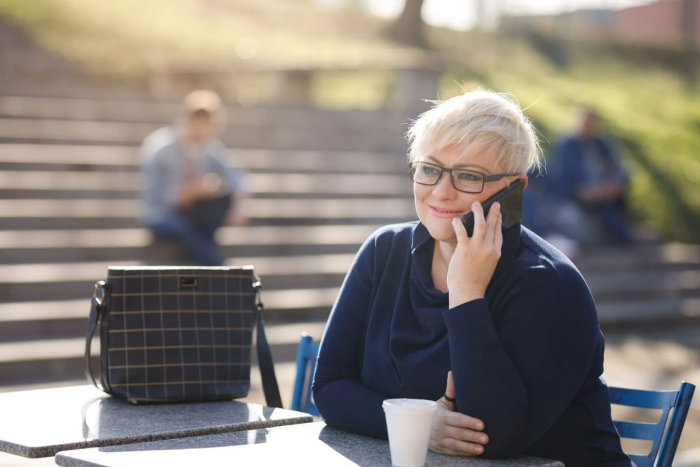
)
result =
(444, 188)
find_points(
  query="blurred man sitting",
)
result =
(188, 191)
(592, 184)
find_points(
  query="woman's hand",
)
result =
(475, 257)
(454, 433)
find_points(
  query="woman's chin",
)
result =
(442, 232)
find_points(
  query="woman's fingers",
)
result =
(450, 390)
(461, 447)
(460, 231)
(498, 235)
(466, 434)
(491, 221)
(479, 222)
(460, 420)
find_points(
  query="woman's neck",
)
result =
(442, 255)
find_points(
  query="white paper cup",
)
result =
(409, 422)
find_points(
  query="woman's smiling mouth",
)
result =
(444, 213)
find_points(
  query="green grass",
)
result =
(654, 118)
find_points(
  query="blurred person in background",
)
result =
(189, 192)
(499, 327)
(591, 185)
(540, 208)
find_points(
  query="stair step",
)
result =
(59, 349)
(68, 318)
(43, 274)
(101, 157)
(162, 112)
(62, 359)
(648, 314)
(227, 236)
(131, 133)
(118, 214)
(63, 281)
(133, 244)
(641, 284)
(258, 208)
(640, 256)
(277, 302)
(22, 321)
(128, 183)
(274, 194)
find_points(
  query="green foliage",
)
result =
(655, 124)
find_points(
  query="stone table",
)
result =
(308, 445)
(42, 422)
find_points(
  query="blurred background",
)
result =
(318, 96)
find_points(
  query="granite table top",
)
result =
(308, 445)
(42, 422)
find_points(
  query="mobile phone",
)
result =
(511, 200)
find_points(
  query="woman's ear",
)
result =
(524, 178)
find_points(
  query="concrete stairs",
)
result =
(321, 182)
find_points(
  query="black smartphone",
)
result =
(511, 199)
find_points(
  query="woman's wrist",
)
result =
(461, 297)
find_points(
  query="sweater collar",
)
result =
(509, 250)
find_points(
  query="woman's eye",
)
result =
(468, 177)
(429, 170)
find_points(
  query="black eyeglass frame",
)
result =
(485, 179)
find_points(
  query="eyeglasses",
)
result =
(466, 181)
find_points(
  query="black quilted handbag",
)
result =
(179, 334)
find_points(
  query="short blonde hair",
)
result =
(203, 102)
(476, 122)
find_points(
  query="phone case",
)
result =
(511, 199)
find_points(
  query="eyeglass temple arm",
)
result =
(497, 177)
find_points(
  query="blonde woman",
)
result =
(502, 316)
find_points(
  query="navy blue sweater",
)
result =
(526, 360)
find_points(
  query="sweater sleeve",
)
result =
(519, 375)
(342, 399)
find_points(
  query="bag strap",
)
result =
(98, 303)
(267, 368)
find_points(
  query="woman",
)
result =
(502, 315)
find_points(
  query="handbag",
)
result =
(179, 334)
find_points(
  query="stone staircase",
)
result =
(321, 182)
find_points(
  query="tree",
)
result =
(408, 27)
(690, 45)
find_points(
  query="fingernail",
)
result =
(477, 204)
(497, 206)
(483, 439)
(479, 450)
(479, 426)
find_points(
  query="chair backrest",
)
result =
(654, 432)
(306, 365)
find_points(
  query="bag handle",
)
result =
(267, 368)
(99, 301)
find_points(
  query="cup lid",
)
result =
(410, 405)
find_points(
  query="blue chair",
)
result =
(654, 432)
(306, 365)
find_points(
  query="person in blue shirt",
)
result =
(591, 184)
(189, 191)
(499, 327)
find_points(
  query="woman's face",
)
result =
(437, 205)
